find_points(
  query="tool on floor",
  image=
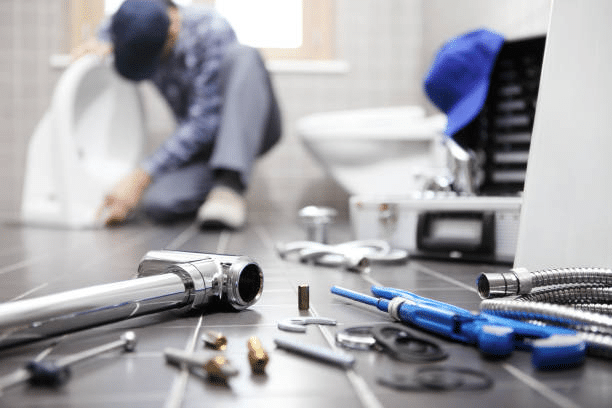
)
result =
(437, 377)
(316, 220)
(578, 298)
(395, 340)
(218, 368)
(399, 343)
(214, 340)
(357, 338)
(258, 358)
(56, 373)
(353, 255)
(298, 324)
(166, 280)
(318, 353)
(303, 297)
(552, 347)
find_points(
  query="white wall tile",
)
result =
(387, 43)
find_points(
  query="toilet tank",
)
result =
(92, 135)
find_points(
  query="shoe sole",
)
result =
(217, 225)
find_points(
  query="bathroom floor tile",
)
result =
(36, 262)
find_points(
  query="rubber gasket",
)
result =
(402, 345)
(451, 378)
(438, 378)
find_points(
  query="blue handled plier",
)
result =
(552, 347)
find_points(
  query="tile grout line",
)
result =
(364, 393)
(183, 237)
(179, 385)
(29, 292)
(540, 388)
(443, 277)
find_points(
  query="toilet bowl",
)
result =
(92, 135)
(379, 151)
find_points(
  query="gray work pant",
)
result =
(250, 125)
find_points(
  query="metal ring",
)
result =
(400, 344)
(357, 338)
(452, 378)
(440, 378)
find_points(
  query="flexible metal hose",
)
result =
(594, 328)
(578, 298)
(577, 295)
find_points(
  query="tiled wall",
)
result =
(511, 18)
(387, 44)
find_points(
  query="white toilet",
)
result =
(379, 151)
(91, 136)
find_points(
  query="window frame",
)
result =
(317, 42)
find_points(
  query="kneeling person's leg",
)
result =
(178, 193)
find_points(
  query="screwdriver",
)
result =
(49, 373)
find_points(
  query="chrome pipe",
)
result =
(165, 280)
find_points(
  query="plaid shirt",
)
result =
(189, 80)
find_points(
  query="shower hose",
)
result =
(577, 298)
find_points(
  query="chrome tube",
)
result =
(166, 280)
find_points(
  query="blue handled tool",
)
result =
(552, 347)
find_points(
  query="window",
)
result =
(281, 29)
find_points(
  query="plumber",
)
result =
(225, 108)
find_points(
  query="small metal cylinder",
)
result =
(258, 358)
(303, 297)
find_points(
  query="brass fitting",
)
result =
(258, 358)
(220, 369)
(214, 340)
(303, 297)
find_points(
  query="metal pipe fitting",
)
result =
(520, 281)
(166, 280)
(316, 220)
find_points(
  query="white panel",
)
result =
(566, 218)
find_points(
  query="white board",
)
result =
(566, 218)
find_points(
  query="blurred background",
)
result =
(363, 53)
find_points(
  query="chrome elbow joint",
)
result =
(234, 280)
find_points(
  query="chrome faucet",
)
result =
(165, 280)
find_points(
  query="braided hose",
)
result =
(520, 281)
(577, 295)
(594, 328)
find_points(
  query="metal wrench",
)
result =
(298, 324)
(49, 373)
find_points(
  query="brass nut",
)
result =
(214, 340)
(220, 369)
(258, 358)
(303, 297)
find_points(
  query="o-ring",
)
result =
(400, 344)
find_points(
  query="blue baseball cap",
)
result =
(139, 30)
(458, 80)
